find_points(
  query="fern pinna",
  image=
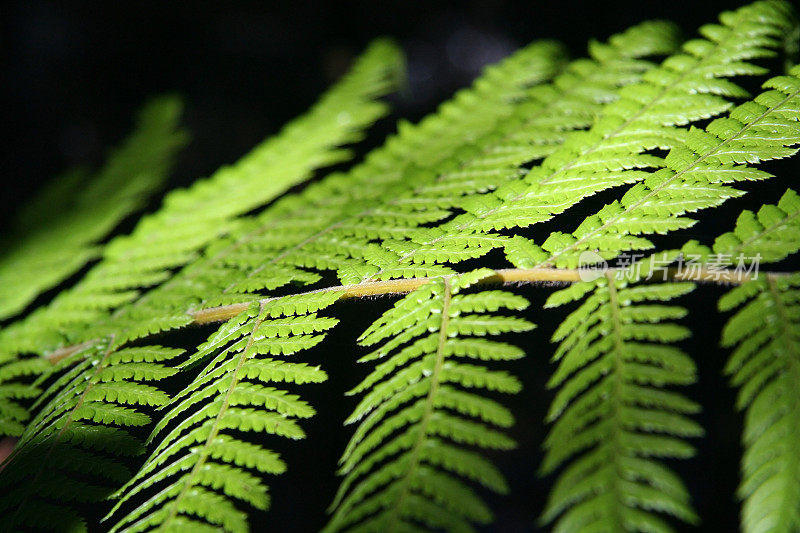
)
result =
(407, 455)
(659, 126)
(765, 332)
(40, 254)
(161, 242)
(688, 86)
(612, 415)
(199, 452)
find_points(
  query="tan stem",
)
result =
(506, 275)
(404, 286)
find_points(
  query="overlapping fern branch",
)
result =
(212, 276)
(70, 450)
(285, 245)
(228, 256)
(407, 464)
(502, 85)
(615, 414)
(173, 236)
(85, 210)
(423, 167)
(696, 174)
(510, 121)
(192, 218)
(688, 86)
(203, 459)
(765, 363)
(476, 143)
(694, 178)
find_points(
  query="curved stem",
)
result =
(404, 286)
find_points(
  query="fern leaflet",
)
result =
(613, 413)
(79, 430)
(203, 460)
(696, 174)
(86, 208)
(404, 466)
(765, 364)
(687, 87)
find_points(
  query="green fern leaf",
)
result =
(412, 479)
(581, 92)
(51, 252)
(189, 220)
(204, 453)
(57, 233)
(765, 335)
(531, 138)
(763, 368)
(81, 424)
(694, 179)
(770, 235)
(612, 412)
(193, 218)
(611, 152)
(426, 168)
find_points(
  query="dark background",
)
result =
(74, 73)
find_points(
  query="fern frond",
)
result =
(166, 306)
(68, 451)
(139, 320)
(768, 236)
(406, 464)
(57, 233)
(764, 366)
(193, 218)
(276, 248)
(696, 176)
(765, 363)
(614, 411)
(203, 460)
(425, 169)
(569, 103)
(687, 87)
(532, 137)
